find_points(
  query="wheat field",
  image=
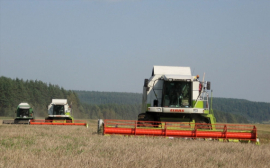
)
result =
(77, 146)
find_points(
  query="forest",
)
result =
(254, 112)
(94, 99)
(37, 93)
(111, 105)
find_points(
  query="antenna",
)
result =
(203, 77)
(203, 81)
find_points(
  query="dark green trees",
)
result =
(38, 94)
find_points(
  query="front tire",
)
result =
(144, 118)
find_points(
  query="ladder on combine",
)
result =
(59, 122)
(220, 132)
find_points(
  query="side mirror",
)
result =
(208, 85)
(145, 83)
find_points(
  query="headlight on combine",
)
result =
(159, 109)
(195, 110)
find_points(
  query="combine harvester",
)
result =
(24, 114)
(176, 104)
(59, 113)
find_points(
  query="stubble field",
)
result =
(77, 146)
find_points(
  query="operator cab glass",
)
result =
(176, 94)
(58, 110)
(23, 112)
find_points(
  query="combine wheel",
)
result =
(48, 120)
(141, 118)
(146, 117)
(68, 121)
(203, 125)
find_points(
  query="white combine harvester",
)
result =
(59, 110)
(176, 104)
(59, 113)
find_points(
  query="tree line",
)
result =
(254, 112)
(98, 99)
(111, 105)
(37, 93)
(112, 111)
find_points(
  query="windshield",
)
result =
(177, 94)
(58, 110)
(23, 112)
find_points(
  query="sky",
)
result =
(112, 45)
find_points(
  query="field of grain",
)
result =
(78, 146)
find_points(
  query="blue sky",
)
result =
(112, 45)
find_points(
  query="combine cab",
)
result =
(176, 104)
(172, 94)
(24, 114)
(59, 113)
